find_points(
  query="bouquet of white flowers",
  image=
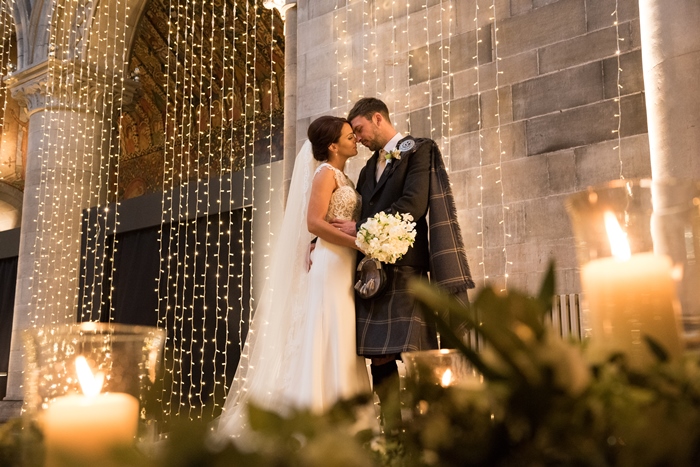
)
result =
(386, 237)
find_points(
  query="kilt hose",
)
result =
(393, 322)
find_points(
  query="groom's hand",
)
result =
(345, 226)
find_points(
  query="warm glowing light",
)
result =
(91, 383)
(619, 246)
(446, 379)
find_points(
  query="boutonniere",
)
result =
(395, 154)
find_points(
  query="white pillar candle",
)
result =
(88, 427)
(630, 296)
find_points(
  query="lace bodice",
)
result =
(346, 203)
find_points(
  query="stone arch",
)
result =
(32, 21)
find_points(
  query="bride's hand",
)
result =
(345, 226)
(309, 262)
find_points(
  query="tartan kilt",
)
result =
(393, 322)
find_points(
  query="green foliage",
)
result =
(20, 444)
(541, 402)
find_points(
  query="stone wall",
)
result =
(514, 154)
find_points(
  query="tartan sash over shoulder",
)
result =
(448, 259)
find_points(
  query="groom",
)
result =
(404, 175)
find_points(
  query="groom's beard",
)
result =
(374, 147)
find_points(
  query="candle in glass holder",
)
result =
(446, 379)
(630, 296)
(87, 427)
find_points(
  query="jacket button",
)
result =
(371, 203)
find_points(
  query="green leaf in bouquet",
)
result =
(21, 444)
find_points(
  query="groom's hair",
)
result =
(367, 107)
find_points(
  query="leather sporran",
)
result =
(370, 278)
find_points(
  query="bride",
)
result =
(300, 351)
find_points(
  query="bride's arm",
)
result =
(321, 191)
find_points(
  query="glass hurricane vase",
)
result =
(86, 386)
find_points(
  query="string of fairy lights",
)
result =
(445, 86)
(429, 90)
(501, 153)
(228, 54)
(167, 202)
(6, 67)
(481, 246)
(39, 284)
(75, 154)
(409, 60)
(198, 318)
(618, 87)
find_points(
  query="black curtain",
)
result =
(8, 280)
(191, 257)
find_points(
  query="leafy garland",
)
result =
(543, 402)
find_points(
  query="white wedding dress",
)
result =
(301, 350)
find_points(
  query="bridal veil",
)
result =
(263, 368)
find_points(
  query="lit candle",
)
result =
(87, 427)
(446, 379)
(630, 296)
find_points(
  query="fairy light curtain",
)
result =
(189, 114)
(403, 52)
(83, 96)
(205, 128)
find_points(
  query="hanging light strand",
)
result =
(52, 161)
(93, 261)
(39, 316)
(206, 54)
(429, 91)
(618, 86)
(216, 147)
(480, 137)
(181, 273)
(338, 64)
(229, 50)
(409, 58)
(246, 174)
(164, 234)
(445, 77)
(501, 152)
(113, 146)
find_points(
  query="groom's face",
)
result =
(367, 132)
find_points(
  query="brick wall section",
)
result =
(547, 132)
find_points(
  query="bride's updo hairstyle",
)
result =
(323, 132)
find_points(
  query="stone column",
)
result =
(65, 147)
(671, 60)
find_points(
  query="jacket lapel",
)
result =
(390, 167)
(372, 171)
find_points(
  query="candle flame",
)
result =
(446, 378)
(619, 246)
(90, 383)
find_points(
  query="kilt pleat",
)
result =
(393, 322)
